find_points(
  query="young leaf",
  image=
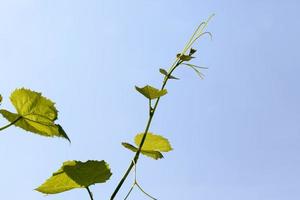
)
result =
(153, 154)
(184, 57)
(35, 113)
(151, 92)
(153, 142)
(192, 51)
(164, 72)
(76, 174)
(153, 145)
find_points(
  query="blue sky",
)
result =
(235, 134)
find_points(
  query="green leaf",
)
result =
(153, 142)
(184, 57)
(0, 98)
(152, 147)
(153, 154)
(151, 92)
(35, 113)
(164, 72)
(76, 174)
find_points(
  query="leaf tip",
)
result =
(63, 133)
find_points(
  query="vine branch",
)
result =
(196, 35)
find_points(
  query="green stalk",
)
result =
(12, 123)
(90, 193)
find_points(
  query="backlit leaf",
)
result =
(164, 72)
(76, 174)
(151, 92)
(153, 142)
(153, 154)
(35, 113)
(152, 147)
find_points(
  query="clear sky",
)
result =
(235, 134)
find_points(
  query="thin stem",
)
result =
(145, 192)
(200, 33)
(90, 193)
(191, 38)
(133, 182)
(12, 123)
(134, 171)
(150, 107)
(129, 191)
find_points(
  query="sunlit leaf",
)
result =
(35, 113)
(153, 154)
(152, 147)
(0, 98)
(76, 174)
(153, 142)
(164, 72)
(184, 57)
(151, 92)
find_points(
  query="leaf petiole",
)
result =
(12, 123)
(90, 193)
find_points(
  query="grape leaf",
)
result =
(152, 147)
(153, 154)
(164, 72)
(75, 174)
(35, 113)
(153, 142)
(151, 92)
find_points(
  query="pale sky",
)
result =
(235, 134)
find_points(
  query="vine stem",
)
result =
(90, 193)
(12, 123)
(151, 114)
(175, 64)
